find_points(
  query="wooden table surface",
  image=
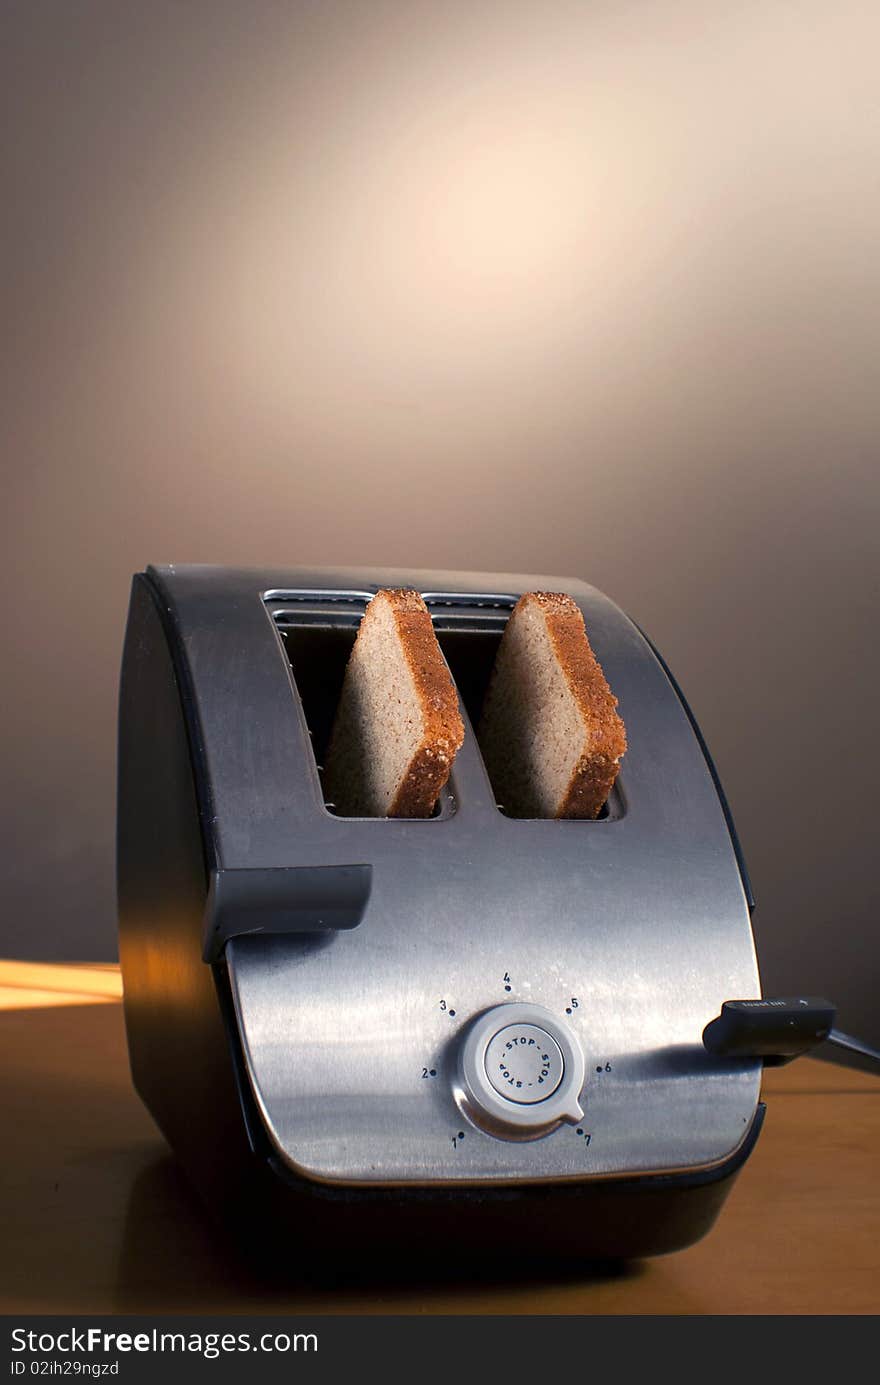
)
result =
(96, 1217)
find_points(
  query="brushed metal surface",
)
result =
(632, 930)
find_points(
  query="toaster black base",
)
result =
(514, 1231)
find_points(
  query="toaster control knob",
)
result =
(521, 1071)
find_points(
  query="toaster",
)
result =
(339, 1024)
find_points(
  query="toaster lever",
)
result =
(283, 899)
(774, 1030)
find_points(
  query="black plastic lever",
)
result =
(773, 1030)
(283, 899)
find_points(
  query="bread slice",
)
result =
(550, 733)
(397, 727)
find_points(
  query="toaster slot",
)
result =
(469, 630)
(318, 655)
(317, 632)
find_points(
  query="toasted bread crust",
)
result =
(596, 770)
(443, 727)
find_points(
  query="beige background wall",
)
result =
(577, 287)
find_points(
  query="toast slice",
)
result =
(550, 734)
(397, 726)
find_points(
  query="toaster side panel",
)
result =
(177, 1043)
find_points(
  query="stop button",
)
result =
(524, 1063)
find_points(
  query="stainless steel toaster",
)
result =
(340, 1024)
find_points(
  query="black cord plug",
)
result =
(774, 1030)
